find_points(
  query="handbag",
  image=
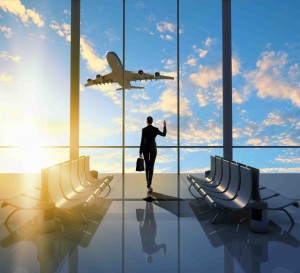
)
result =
(140, 215)
(140, 164)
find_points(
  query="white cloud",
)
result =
(280, 170)
(273, 119)
(140, 96)
(288, 160)
(269, 81)
(6, 31)
(208, 41)
(166, 37)
(254, 141)
(167, 103)
(235, 66)
(5, 78)
(94, 63)
(206, 76)
(165, 26)
(240, 97)
(26, 15)
(210, 133)
(202, 99)
(192, 61)
(202, 53)
(168, 64)
(63, 30)
(5, 56)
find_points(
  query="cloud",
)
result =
(288, 160)
(254, 141)
(235, 62)
(165, 27)
(273, 119)
(27, 16)
(191, 61)
(140, 96)
(5, 78)
(208, 41)
(168, 64)
(210, 133)
(5, 56)
(7, 31)
(269, 81)
(202, 53)
(240, 97)
(168, 103)
(166, 37)
(63, 30)
(280, 170)
(206, 76)
(94, 63)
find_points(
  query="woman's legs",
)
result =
(149, 157)
(151, 166)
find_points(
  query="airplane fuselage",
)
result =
(117, 68)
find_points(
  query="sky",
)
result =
(35, 82)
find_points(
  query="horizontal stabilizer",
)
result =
(131, 87)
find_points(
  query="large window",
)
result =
(34, 83)
(182, 39)
(266, 92)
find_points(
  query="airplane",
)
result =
(116, 75)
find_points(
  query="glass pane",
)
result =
(100, 104)
(30, 159)
(164, 176)
(107, 161)
(201, 73)
(194, 161)
(270, 160)
(266, 94)
(151, 44)
(151, 236)
(34, 73)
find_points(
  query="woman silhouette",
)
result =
(148, 148)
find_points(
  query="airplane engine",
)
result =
(157, 74)
(141, 72)
(98, 76)
(89, 80)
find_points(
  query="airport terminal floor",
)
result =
(141, 233)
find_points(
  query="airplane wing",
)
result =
(141, 76)
(108, 78)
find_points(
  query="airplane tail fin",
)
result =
(131, 87)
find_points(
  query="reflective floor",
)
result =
(158, 233)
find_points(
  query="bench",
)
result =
(64, 186)
(237, 189)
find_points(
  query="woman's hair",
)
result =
(149, 120)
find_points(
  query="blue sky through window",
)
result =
(35, 76)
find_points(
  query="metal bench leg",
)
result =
(288, 214)
(10, 215)
(220, 212)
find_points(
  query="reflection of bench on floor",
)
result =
(55, 248)
(235, 186)
(66, 185)
(249, 249)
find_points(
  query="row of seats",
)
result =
(65, 185)
(235, 186)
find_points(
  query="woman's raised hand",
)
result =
(165, 123)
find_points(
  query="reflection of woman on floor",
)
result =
(148, 234)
